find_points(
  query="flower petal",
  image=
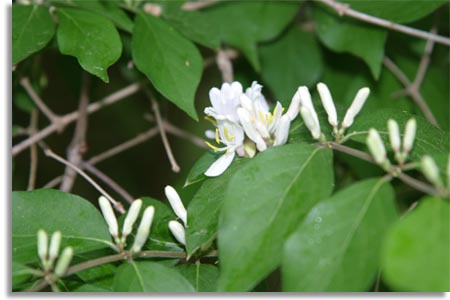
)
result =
(220, 165)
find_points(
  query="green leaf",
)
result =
(171, 62)
(203, 277)
(337, 247)
(196, 174)
(292, 60)
(20, 274)
(346, 35)
(416, 251)
(149, 277)
(91, 38)
(91, 288)
(396, 11)
(32, 29)
(204, 209)
(243, 24)
(53, 210)
(429, 139)
(263, 204)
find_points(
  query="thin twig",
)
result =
(225, 66)
(78, 143)
(108, 181)
(196, 5)
(411, 90)
(33, 152)
(71, 117)
(424, 61)
(345, 10)
(172, 129)
(117, 205)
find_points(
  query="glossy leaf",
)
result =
(204, 209)
(171, 62)
(54, 210)
(32, 29)
(264, 202)
(346, 35)
(20, 273)
(416, 252)
(337, 247)
(150, 277)
(203, 277)
(290, 61)
(91, 38)
(196, 174)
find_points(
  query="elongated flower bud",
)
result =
(312, 125)
(176, 203)
(250, 129)
(376, 146)
(109, 216)
(305, 100)
(282, 132)
(64, 261)
(394, 135)
(430, 170)
(144, 229)
(355, 107)
(42, 243)
(294, 107)
(178, 231)
(410, 135)
(133, 213)
(328, 104)
(54, 246)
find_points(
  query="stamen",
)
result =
(217, 136)
(227, 135)
(211, 120)
(216, 149)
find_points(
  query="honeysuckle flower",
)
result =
(355, 107)
(64, 261)
(109, 216)
(225, 102)
(328, 104)
(132, 215)
(431, 170)
(144, 229)
(282, 133)
(176, 203)
(376, 148)
(306, 101)
(178, 231)
(54, 246)
(394, 135)
(409, 136)
(310, 122)
(42, 243)
(232, 135)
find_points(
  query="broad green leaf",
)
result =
(290, 61)
(204, 209)
(337, 247)
(150, 277)
(346, 35)
(53, 210)
(429, 139)
(416, 253)
(203, 277)
(32, 29)
(264, 202)
(397, 11)
(196, 174)
(91, 288)
(171, 62)
(243, 24)
(20, 273)
(91, 38)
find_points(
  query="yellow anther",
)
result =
(261, 116)
(227, 134)
(275, 110)
(217, 136)
(216, 149)
(269, 118)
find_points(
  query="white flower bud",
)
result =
(210, 134)
(355, 107)
(176, 203)
(376, 146)
(64, 261)
(282, 132)
(144, 229)
(54, 246)
(42, 243)
(305, 100)
(132, 215)
(394, 135)
(109, 216)
(178, 231)
(310, 122)
(410, 135)
(294, 107)
(250, 129)
(328, 104)
(430, 170)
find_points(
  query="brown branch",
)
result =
(33, 152)
(225, 66)
(196, 5)
(345, 10)
(172, 129)
(78, 143)
(71, 117)
(424, 61)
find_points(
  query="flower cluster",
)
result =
(244, 123)
(177, 229)
(48, 254)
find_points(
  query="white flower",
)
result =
(54, 246)
(225, 102)
(328, 104)
(144, 229)
(42, 243)
(409, 136)
(355, 107)
(132, 215)
(306, 101)
(178, 231)
(394, 135)
(64, 261)
(431, 170)
(376, 147)
(176, 203)
(310, 122)
(109, 216)
(232, 135)
(282, 133)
